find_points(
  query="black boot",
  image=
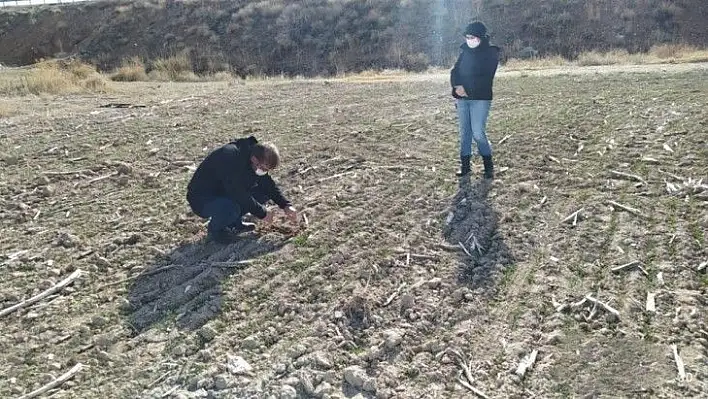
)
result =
(464, 166)
(488, 167)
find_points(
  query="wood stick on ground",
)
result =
(604, 305)
(467, 382)
(554, 159)
(629, 176)
(465, 249)
(651, 302)
(304, 219)
(335, 176)
(170, 392)
(702, 266)
(68, 172)
(626, 266)
(629, 209)
(149, 273)
(393, 296)
(573, 216)
(679, 363)
(527, 362)
(104, 177)
(57, 382)
(160, 378)
(504, 139)
(56, 288)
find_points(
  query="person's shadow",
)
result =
(472, 226)
(186, 283)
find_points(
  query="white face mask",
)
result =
(261, 172)
(473, 43)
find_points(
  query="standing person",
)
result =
(472, 78)
(233, 180)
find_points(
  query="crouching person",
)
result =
(233, 181)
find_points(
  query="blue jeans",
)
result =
(472, 115)
(223, 212)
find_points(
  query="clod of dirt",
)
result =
(67, 240)
(250, 343)
(355, 376)
(392, 338)
(47, 191)
(43, 180)
(207, 333)
(358, 312)
(124, 168)
(237, 365)
(288, 392)
(221, 382)
(323, 389)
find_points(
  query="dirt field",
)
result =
(375, 297)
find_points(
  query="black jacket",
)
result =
(475, 70)
(227, 172)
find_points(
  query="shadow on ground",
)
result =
(187, 284)
(473, 223)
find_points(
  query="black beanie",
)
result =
(476, 29)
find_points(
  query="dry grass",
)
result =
(539, 63)
(177, 68)
(54, 77)
(7, 110)
(132, 70)
(659, 54)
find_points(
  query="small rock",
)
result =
(237, 365)
(297, 351)
(205, 383)
(250, 343)
(124, 168)
(321, 361)
(369, 385)
(288, 392)
(554, 338)
(323, 389)
(207, 333)
(407, 301)
(355, 376)
(306, 384)
(47, 191)
(98, 321)
(392, 338)
(338, 314)
(280, 368)
(67, 240)
(220, 382)
(459, 294)
(435, 282)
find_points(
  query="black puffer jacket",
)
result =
(227, 172)
(474, 70)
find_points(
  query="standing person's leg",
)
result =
(479, 114)
(463, 115)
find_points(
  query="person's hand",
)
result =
(268, 219)
(291, 213)
(460, 91)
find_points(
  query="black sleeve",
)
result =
(236, 191)
(273, 191)
(454, 79)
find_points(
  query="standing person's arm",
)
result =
(457, 88)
